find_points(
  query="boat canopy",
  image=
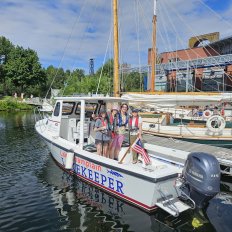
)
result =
(93, 99)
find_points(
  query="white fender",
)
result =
(216, 123)
(69, 160)
(207, 114)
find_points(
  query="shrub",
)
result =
(9, 103)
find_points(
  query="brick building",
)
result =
(204, 68)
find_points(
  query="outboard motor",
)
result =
(201, 176)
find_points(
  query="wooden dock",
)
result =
(223, 155)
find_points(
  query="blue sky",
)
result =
(67, 33)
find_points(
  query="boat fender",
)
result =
(216, 123)
(69, 160)
(222, 112)
(207, 114)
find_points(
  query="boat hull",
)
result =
(140, 190)
(178, 120)
(193, 133)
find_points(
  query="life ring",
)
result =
(207, 114)
(216, 123)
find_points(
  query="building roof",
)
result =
(221, 41)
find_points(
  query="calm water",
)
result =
(36, 195)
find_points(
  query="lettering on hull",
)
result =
(96, 176)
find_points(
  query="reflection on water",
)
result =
(36, 195)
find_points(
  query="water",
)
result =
(36, 195)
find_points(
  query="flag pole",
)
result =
(128, 149)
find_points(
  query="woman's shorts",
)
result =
(104, 142)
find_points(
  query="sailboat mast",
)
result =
(116, 52)
(153, 50)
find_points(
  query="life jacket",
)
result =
(104, 123)
(120, 120)
(136, 122)
(111, 119)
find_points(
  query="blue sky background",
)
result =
(67, 33)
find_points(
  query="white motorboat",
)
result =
(69, 136)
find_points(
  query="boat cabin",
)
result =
(72, 118)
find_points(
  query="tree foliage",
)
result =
(22, 73)
(21, 69)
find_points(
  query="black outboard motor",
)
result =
(201, 175)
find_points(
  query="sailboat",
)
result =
(207, 127)
(68, 133)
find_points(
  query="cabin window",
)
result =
(90, 108)
(57, 109)
(68, 108)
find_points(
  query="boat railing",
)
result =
(39, 116)
(186, 127)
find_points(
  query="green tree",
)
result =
(74, 82)
(106, 72)
(5, 48)
(55, 77)
(132, 82)
(23, 69)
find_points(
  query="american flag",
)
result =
(138, 147)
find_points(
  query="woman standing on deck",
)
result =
(113, 117)
(135, 127)
(102, 137)
(122, 123)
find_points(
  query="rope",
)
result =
(104, 60)
(218, 83)
(214, 12)
(66, 45)
(79, 47)
(136, 6)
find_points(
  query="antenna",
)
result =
(155, 8)
(91, 66)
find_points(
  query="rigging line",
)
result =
(181, 18)
(104, 58)
(121, 60)
(166, 32)
(181, 40)
(81, 39)
(66, 45)
(214, 12)
(174, 28)
(110, 55)
(172, 70)
(169, 48)
(138, 42)
(146, 22)
(197, 37)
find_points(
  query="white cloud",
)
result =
(46, 26)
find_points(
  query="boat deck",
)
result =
(223, 155)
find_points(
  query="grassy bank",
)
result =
(11, 104)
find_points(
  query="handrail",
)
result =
(185, 64)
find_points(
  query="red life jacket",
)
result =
(104, 123)
(136, 121)
(111, 119)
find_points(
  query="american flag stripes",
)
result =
(138, 147)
